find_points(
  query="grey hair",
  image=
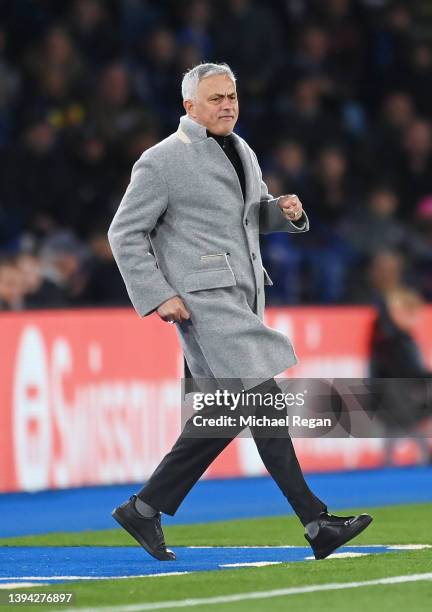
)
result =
(193, 76)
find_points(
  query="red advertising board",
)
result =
(93, 396)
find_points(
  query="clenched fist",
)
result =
(291, 207)
(173, 310)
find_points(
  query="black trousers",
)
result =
(189, 458)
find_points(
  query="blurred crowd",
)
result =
(335, 98)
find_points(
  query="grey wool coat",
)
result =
(183, 228)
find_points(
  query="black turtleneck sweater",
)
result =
(227, 145)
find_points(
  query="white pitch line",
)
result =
(313, 588)
(408, 546)
(263, 546)
(93, 577)
(19, 585)
(251, 564)
(342, 555)
(389, 546)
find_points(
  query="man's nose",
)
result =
(228, 103)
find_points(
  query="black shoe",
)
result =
(147, 531)
(334, 531)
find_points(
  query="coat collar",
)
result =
(191, 131)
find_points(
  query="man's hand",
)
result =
(173, 310)
(291, 207)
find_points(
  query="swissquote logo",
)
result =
(74, 424)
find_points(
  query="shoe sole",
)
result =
(131, 531)
(325, 552)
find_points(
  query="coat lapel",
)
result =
(251, 177)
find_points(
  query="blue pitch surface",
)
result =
(59, 564)
(211, 500)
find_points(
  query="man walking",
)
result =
(186, 240)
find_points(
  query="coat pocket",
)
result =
(209, 279)
(267, 279)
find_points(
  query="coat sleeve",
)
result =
(144, 202)
(271, 218)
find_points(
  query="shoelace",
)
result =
(342, 520)
(161, 543)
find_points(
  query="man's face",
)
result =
(215, 105)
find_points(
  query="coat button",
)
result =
(246, 221)
(253, 256)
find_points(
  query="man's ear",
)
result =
(188, 106)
